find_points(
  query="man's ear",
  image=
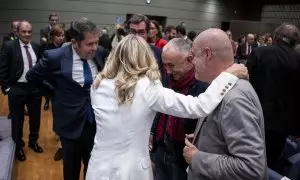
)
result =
(74, 43)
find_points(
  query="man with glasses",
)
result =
(140, 25)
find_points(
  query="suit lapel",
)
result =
(198, 129)
(18, 53)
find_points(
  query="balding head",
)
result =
(250, 38)
(24, 31)
(213, 53)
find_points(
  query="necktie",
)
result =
(88, 80)
(28, 56)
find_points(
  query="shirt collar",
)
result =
(75, 55)
(23, 44)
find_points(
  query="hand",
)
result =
(189, 151)
(239, 70)
(190, 137)
(151, 142)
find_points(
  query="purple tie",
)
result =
(28, 56)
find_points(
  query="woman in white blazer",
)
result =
(126, 96)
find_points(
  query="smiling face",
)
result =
(25, 32)
(87, 48)
(177, 63)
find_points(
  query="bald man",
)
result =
(244, 50)
(228, 144)
(17, 57)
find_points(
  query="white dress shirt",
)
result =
(77, 73)
(25, 59)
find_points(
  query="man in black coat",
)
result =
(44, 33)
(71, 70)
(245, 49)
(275, 75)
(16, 59)
(13, 35)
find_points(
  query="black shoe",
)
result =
(25, 113)
(46, 105)
(22, 143)
(58, 155)
(20, 155)
(36, 148)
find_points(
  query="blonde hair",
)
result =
(129, 61)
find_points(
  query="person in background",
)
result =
(244, 50)
(44, 33)
(17, 57)
(269, 40)
(104, 40)
(233, 43)
(14, 34)
(181, 33)
(170, 33)
(274, 72)
(241, 39)
(155, 36)
(56, 39)
(192, 35)
(117, 37)
(261, 41)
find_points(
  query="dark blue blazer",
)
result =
(70, 101)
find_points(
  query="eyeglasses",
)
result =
(139, 32)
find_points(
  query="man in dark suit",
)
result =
(244, 50)
(275, 75)
(16, 58)
(13, 35)
(44, 33)
(71, 69)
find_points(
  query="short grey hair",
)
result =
(178, 44)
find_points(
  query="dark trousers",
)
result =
(169, 166)
(275, 142)
(77, 150)
(20, 95)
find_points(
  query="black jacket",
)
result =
(275, 75)
(11, 62)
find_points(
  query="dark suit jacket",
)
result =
(105, 42)
(12, 64)
(9, 37)
(44, 33)
(275, 75)
(70, 101)
(241, 51)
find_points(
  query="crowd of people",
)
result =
(146, 104)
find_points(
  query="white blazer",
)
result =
(121, 143)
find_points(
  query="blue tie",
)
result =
(88, 80)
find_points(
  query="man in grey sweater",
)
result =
(230, 143)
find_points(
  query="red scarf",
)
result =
(175, 128)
